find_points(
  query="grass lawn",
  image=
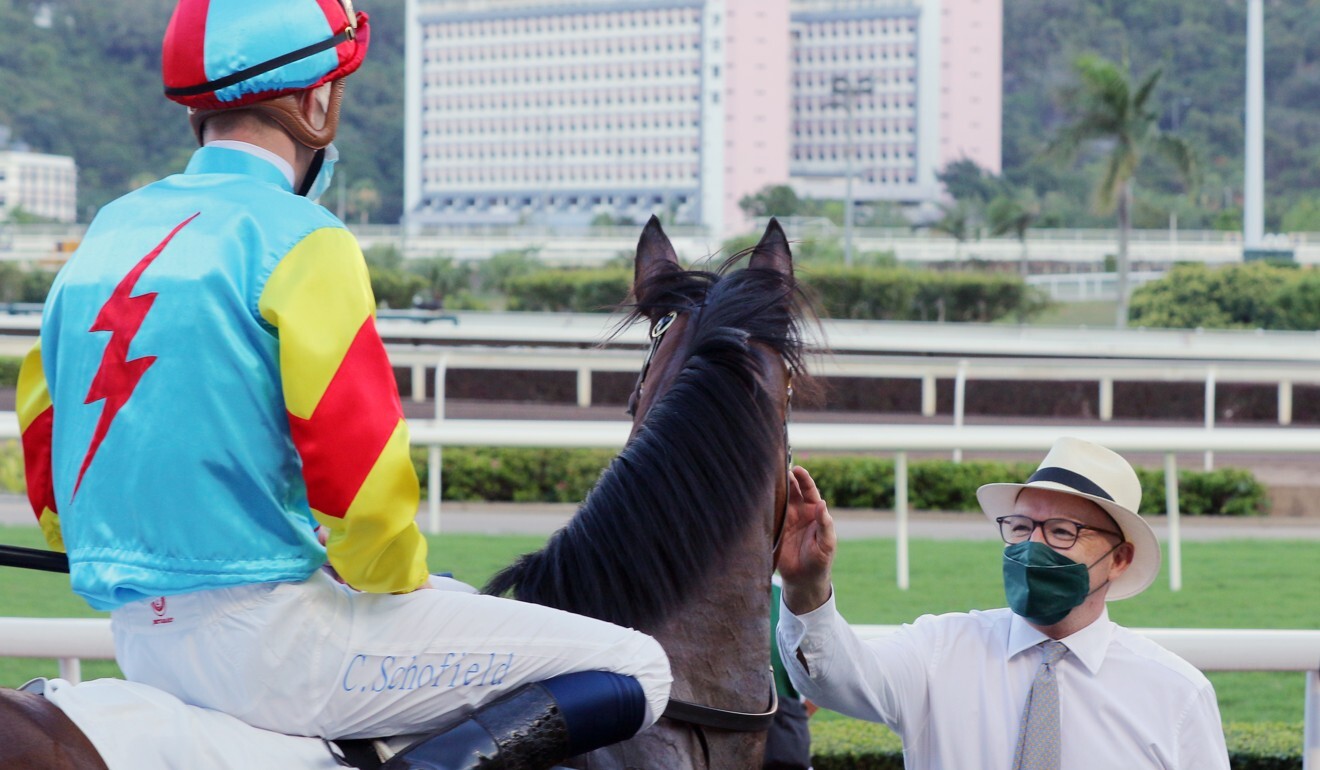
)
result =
(1240, 584)
(1092, 313)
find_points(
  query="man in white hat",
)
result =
(1048, 682)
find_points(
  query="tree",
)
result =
(1013, 212)
(772, 201)
(966, 181)
(959, 221)
(1106, 108)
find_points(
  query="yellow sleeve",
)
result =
(344, 413)
(36, 418)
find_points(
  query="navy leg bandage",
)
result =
(536, 725)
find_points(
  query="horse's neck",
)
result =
(719, 651)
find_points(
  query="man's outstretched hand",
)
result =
(807, 546)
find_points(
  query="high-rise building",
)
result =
(563, 111)
(525, 110)
(900, 87)
(38, 184)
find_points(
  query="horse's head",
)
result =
(676, 538)
(698, 319)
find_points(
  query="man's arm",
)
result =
(36, 417)
(344, 413)
(1201, 735)
(879, 680)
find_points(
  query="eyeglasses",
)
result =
(1059, 533)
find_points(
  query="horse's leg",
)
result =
(36, 735)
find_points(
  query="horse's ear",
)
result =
(772, 253)
(655, 255)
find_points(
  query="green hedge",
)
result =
(1254, 295)
(582, 291)
(847, 744)
(870, 293)
(565, 475)
(942, 485)
(9, 370)
(901, 294)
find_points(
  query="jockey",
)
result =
(210, 389)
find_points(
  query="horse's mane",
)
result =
(679, 495)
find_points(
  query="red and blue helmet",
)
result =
(223, 54)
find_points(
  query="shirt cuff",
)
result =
(807, 633)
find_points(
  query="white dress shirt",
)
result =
(954, 686)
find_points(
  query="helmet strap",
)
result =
(313, 169)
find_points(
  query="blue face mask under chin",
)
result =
(321, 182)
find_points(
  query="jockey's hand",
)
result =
(807, 546)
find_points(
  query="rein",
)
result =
(724, 719)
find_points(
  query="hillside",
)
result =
(80, 77)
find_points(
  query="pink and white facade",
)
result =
(926, 83)
(522, 110)
(971, 82)
(558, 110)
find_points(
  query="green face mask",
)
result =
(1042, 584)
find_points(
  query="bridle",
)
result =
(696, 714)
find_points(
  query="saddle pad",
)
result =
(136, 727)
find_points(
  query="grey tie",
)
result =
(1038, 737)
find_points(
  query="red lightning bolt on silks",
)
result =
(122, 315)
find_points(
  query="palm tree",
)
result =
(1013, 212)
(1107, 108)
(959, 221)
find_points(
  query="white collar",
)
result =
(261, 152)
(1089, 644)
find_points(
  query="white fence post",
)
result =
(959, 403)
(584, 386)
(1210, 414)
(418, 383)
(1106, 399)
(1311, 724)
(901, 517)
(71, 670)
(1285, 402)
(928, 399)
(1175, 520)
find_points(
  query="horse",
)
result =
(677, 537)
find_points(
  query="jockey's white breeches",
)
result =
(318, 658)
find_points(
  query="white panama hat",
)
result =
(1091, 472)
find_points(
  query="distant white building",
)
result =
(557, 111)
(40, 184)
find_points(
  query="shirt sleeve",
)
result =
(36, 417)
(344, 413)
(880, 680)
(1201, 735)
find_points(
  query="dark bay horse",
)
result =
(677, 537)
